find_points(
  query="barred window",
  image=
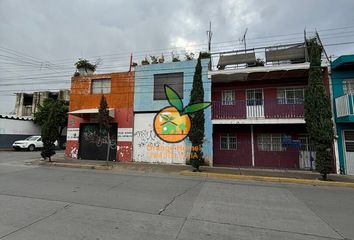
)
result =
(228, 97)
(290, 95)
(101, 86)
(270, 142)
(348, 86)
(228, 142)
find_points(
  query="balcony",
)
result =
(345, 107)
(258, 110)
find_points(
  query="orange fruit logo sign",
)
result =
(172, 124)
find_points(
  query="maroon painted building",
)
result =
(258, 111)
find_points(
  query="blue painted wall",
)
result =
(343, 123)
(144, 89)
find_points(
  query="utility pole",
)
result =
(209, 36)
(243, 39)
(324, 51)
(131, 62)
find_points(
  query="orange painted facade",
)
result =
(120, 98)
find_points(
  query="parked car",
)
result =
(30, 143)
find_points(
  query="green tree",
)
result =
(196, 135)
(58, 109)
(318, 113)
(49, 135)
(104, 124)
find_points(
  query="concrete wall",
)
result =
(12, 130)
(145, 104)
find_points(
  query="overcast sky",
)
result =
(53, 34)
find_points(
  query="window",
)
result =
(254, 97)
(101, 86)
(349, 141)
(270, 142)
(174, 80)
(290, 95)
(348, 86)
(305, 143)
(228, 142)
(228, 97)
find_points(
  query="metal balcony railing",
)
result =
(253, 109)
(345, 105)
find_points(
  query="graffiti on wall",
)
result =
(73, 152)
(91, 135)
(150, 148)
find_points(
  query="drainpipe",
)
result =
(252, 145)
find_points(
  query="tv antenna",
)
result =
(243, 39)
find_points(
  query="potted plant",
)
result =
(145, 61)
(175, 57)
(154, 60)
(84, 67)
(189, 56)
(162, 59)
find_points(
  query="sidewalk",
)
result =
(268, 175)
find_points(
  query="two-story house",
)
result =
(150, 99)
(86, 92)
(342, 81)
(258, 108)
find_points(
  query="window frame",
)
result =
(305, 143)
(228, 142)
(285, 99)
(348, 86)
(159, 94)
(348, 141)
(101, 80)
(270, 146)
(252, 97)
(226, 102)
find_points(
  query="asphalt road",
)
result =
(60, 203)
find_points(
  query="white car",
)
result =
(30, 143)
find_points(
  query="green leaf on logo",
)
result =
(196, 107)
(173, 98)
(165, 117)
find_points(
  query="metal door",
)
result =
(349, 151)
(255, 103)
(94, 146)
(307, 153)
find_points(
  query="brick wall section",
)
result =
(121, 96)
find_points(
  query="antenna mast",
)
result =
(243, 39)
(209, 36)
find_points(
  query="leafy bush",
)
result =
(84, 63)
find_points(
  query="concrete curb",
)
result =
(75, 165)
(267, 179)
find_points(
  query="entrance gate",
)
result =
(94, 147)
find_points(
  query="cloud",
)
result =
(62, 31)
